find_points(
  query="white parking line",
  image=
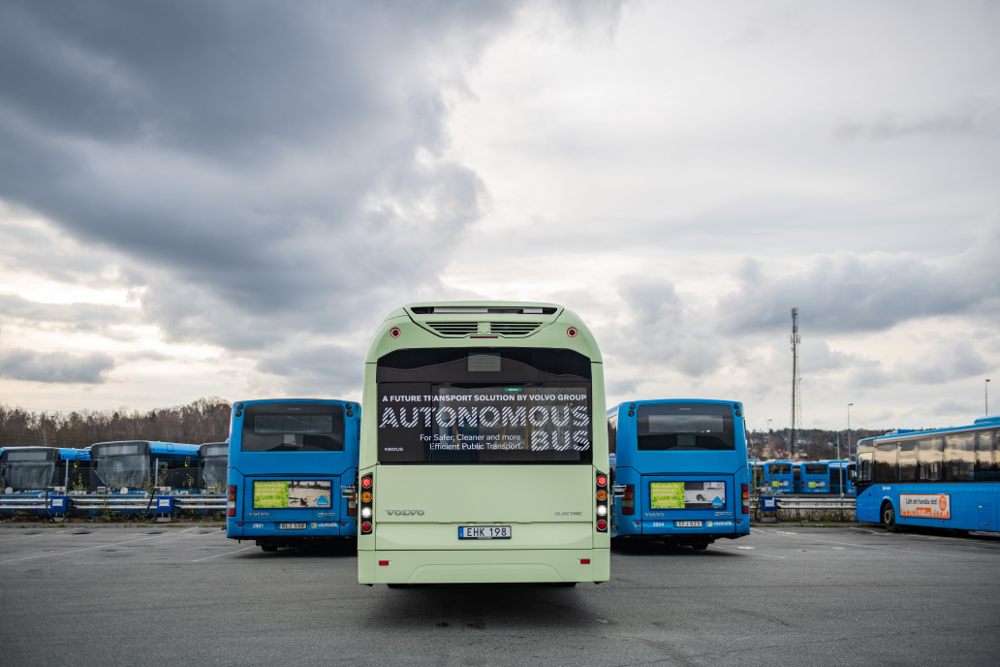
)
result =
(228, 553)
(99, 546)
(755, 553)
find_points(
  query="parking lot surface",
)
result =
(185, 595)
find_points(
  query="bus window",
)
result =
(295, 427)
(929, 453)
(685, 427)
(865, 467)
(986, 460)
(960, 457)
(906, 458)
(885, 462)
(612, 433)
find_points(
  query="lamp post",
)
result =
(849, 432)
(987, 385)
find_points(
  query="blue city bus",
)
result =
(814, 476)
(842, 473)
(680, 471)
(135, 464)
(781, 476)
(942, 478)
(214, 458)
(40, 468)
(292, 471)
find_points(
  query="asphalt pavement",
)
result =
(185, 595)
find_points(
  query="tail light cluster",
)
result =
(745, 503)
(602, 502)
(367, 503)
(231, 502)
(628, 499)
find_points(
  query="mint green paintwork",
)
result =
(425, 548)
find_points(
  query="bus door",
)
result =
(796, 478)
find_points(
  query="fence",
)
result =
(83, 477)
(815, 508)
(57, 505)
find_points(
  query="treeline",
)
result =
(205, 420)
(815, 444)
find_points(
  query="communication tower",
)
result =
(796, 381)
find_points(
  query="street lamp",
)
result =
(987, 385)
(849, 432)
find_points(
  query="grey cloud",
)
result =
(317, 369)
(74, 316)
(969, 118)
(948, 359)
(55, 367)
(848, 292)
(260, 170)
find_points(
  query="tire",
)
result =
(398, 585)
(701, 546)
(564, 584)
(888, 516)
(269, 547)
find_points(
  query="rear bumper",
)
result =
(482, 567)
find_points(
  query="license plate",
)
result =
(484, 532)
(293, 526)
(688, 524)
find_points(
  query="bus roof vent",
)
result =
(482, 310)
(454, 329)
(514, 328)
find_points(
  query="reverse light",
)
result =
(602, 510)
(366, 512)
(628, 499)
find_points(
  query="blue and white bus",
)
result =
(214, 457)
(680, 471)
(814, 476)
(943, 478)
(781, 476)
(292, 471)
(40, 468)
(842, 474)
(134, 465)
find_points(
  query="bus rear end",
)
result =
(481, 463)
(779, 476)
(681, 472)
(292, 469)
(815, 477)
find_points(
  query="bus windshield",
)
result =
(30, 470)
(293, 427)
(685, 427)
(118, 465)
(462, 405)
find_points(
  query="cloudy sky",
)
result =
(226, 198)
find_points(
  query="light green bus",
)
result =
(484, 456)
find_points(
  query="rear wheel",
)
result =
(889, 517)
(269, 547)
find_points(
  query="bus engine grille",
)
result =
(461, 329)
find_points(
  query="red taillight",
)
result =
(383, 563)
(231, 502)
(352, 508)
(366, 527)
(366, 482)
(602, 525)
(232, 494)
(602, 480)
(628, 499)
(746, 498)
(584, 561)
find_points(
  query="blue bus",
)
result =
(214, 458)
(814, 476)
(40, 468)
(135, 464)
(782, 476)
(842, 474)
(943, 478)
(292, 471)
(680, 471)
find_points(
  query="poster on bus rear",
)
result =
(925, 505)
